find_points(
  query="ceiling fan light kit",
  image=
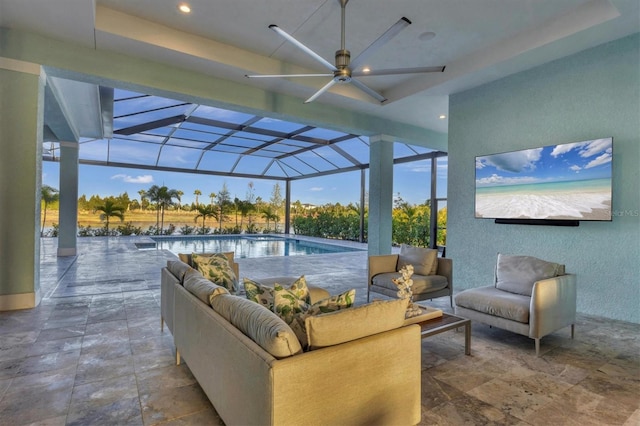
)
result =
(344, 70)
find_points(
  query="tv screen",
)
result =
(570, 181)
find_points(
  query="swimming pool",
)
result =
(247, 246)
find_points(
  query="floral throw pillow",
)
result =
(294, 311)
(216, 269)
(263, 294)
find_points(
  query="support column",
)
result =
(21, 123)
(287, 207)
(380, 194)
(363, 186)
(68, 218)
(433, 228)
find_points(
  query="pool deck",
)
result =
(93, 352)
(116, 265)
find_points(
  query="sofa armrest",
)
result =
(445, 268)
(553, 305)
(381, 264)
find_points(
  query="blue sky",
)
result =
(411, 180)
(565, 162)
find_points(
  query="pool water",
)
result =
(248, 246)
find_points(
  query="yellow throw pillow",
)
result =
(355, 323)
(294, 311)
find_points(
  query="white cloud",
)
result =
(586, 149)
(316, 188)
(575, 168)
(514, 162)
(603, 159)
(496, 179)
(131, 179)
(595, 147)
(564, 148)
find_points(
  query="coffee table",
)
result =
(447, 322)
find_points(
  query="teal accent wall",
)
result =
(589, 95)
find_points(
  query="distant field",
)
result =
(145, 219)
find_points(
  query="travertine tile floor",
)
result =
(92, 353)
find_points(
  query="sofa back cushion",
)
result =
(259, 324)
(350, 324)
(424, 260)
(201, 287)
(517, 274)
(178, 269)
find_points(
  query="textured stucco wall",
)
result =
(592, 94)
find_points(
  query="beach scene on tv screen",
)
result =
(569, 181)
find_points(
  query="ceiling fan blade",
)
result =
(369, 91)
(321, 91)
(383, 39)
(286, 75)
(396, 71)
(302, 47)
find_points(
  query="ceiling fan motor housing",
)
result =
(343, 73)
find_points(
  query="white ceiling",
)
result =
(478, 40)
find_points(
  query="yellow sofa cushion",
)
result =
(350, 324)
(294, 310)
(201, 287)
(257, 323)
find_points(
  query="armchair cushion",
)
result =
(421, 284)
(493, 301)
(517, 274)
(424, 260)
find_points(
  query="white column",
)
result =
(68, 218)
(380, 194)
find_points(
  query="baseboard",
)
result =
(13, 302)
(62, 252)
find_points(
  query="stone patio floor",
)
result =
(92, 352)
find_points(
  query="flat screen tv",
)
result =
(568, 182)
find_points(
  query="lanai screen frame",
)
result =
(155, 130)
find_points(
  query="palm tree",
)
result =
(245, 207)
(152, 195)
(109, 209)
(197, 193)
(141, 193)
(180, 194)
(268, 214)
(204, 212)
(163, 197)
(212, 196)
(48, 195)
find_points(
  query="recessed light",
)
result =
(366, 69)
(442, 116)
(184, 8)
(428, 35)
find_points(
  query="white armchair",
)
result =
(530, 296)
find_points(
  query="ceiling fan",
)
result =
(344, 69)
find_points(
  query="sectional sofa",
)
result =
(364, 369)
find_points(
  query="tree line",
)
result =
(410, 222)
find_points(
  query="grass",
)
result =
(145, 219)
